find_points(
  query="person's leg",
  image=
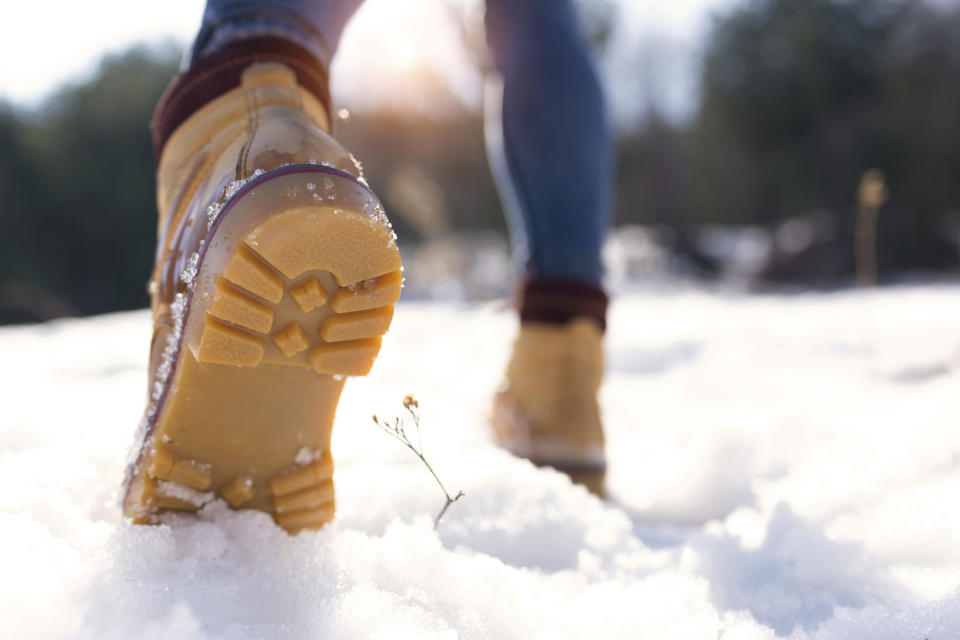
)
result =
(552, 134)
(550, 151)
(314, 25)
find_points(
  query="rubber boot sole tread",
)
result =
(301, 303)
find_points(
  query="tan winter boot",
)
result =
(547, 408)
(276, 274)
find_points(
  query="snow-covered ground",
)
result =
(782, 466)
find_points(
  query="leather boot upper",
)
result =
(547, 408)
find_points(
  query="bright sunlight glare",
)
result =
(407, 55)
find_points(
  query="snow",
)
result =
(781, 467)
(184, 493)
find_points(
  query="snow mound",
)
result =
(781, 467)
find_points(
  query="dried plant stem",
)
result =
(866, 246)
(871, 194)
(397, 429)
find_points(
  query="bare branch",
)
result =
(397, 429)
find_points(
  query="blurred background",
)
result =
(788, 144)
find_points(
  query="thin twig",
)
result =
(446, 506)
(398, 430)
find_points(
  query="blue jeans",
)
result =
(548, 136)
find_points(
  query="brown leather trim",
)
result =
(558, 301)
(213, 75)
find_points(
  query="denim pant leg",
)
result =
(554, 139)
(313, 24)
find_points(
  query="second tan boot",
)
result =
(547, 408)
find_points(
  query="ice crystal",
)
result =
(212, 212)
(177, 310)
(183, 492)
(235, 186)
(306, 455)
(379, 216)
(189, 273)
(232, 188)
(178, 307)
(359, 166)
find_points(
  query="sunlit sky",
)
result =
(388, 49)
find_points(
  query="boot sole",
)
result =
(291, 293)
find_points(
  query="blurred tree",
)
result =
(77, 187)
(800, 97)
